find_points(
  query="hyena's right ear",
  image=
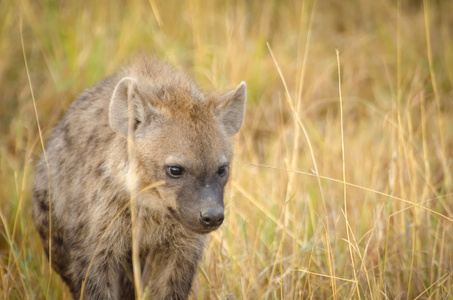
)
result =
(126, 106)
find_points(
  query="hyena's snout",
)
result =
(212, 217)
(212, 211)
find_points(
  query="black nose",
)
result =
(211, 217)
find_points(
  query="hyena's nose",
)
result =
(211, 217)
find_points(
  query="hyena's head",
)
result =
(182, 137)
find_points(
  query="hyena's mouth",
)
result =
(196, 229)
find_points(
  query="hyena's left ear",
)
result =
(231, 109)
(123, 113)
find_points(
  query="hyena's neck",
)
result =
(158, 228)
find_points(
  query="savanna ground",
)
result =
(331, 197)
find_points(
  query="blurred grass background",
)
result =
(378, 221)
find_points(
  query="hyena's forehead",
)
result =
(202, 145)
(207, 142)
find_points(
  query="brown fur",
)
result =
(87, 189)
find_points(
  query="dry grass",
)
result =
(329, 199)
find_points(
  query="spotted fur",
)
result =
(85, 187)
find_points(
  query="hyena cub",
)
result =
(148, 123)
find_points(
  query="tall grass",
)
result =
(332, 196)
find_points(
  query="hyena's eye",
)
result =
(221, 171)
(175, 171)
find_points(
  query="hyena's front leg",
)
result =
(169, 275)
(101, 280)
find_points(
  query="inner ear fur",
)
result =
(119, 113)
(231, 109)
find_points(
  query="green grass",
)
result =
(376, 223)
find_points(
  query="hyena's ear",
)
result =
(119, 113)
(231, 109)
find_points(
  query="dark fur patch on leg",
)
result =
(42, 198)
